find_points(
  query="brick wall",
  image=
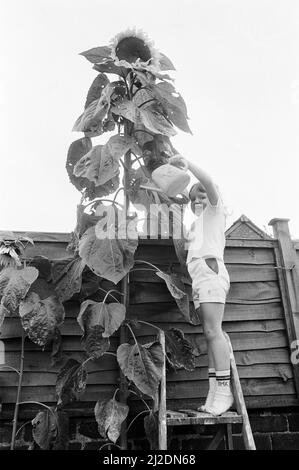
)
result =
(276, 429)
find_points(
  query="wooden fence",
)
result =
(260, 318)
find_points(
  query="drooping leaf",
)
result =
(155, 122)
(173, 103)
(90, 121)
(50, 430)
(96, 88)
(118, 145)
(41, 317)
(97, 54)
(76, 151)
(173, 284)
(111, 258)
(67, 277)
(165, 62)
(71, 382)
(108, 316)
(44, 429)
(179, 350)
(110, 414)
(143, 365)
(43, 285)
(98, 166)
(94, 343)
(14, 285)
(151, 427)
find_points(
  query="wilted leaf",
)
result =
(44, 429)
(151, 427)
(108, 316)
(179, 350)
(110, 414)
(50, 430)
(174, 286)
(14, 285)
(118, 145)
(67, 277)
(41, 317)
(143, 365)
(76, 151)
(71, 382)
(111, 258)
(94, 343)
(96, 89)
(97, 54)
(165, 62)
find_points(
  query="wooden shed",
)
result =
(260, 318)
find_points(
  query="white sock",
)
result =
(223, 397)
(212, 387)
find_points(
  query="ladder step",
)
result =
(190, 417)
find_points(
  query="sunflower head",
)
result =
(133, 48)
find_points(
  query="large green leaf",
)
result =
(179, 350)
(126, 109)
(96, 88)
(41, 317)
(111, 258)
(67, 277)
(110, 414)
(118, 145)
(14, 285)
(173, 103)
(98, 165)
(108, 316)
(155, 122)
(77, 150)
(71, 382)
(97, 54)
(143, 365)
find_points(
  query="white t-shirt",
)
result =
(206, 237)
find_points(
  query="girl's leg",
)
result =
(218, 349)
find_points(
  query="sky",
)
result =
(237, 67)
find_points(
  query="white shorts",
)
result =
(207, 285)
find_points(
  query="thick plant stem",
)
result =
(16, 412)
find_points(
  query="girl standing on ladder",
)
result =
(210, 281)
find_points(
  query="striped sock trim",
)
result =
(222, 374)
(212, 373)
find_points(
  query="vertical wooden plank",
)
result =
(162, 407)
(288, 278)
(229, 437)
(239, 400)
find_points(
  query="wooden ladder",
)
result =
(193, 417)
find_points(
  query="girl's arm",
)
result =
(200, 174)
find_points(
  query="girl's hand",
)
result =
(179, 161)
